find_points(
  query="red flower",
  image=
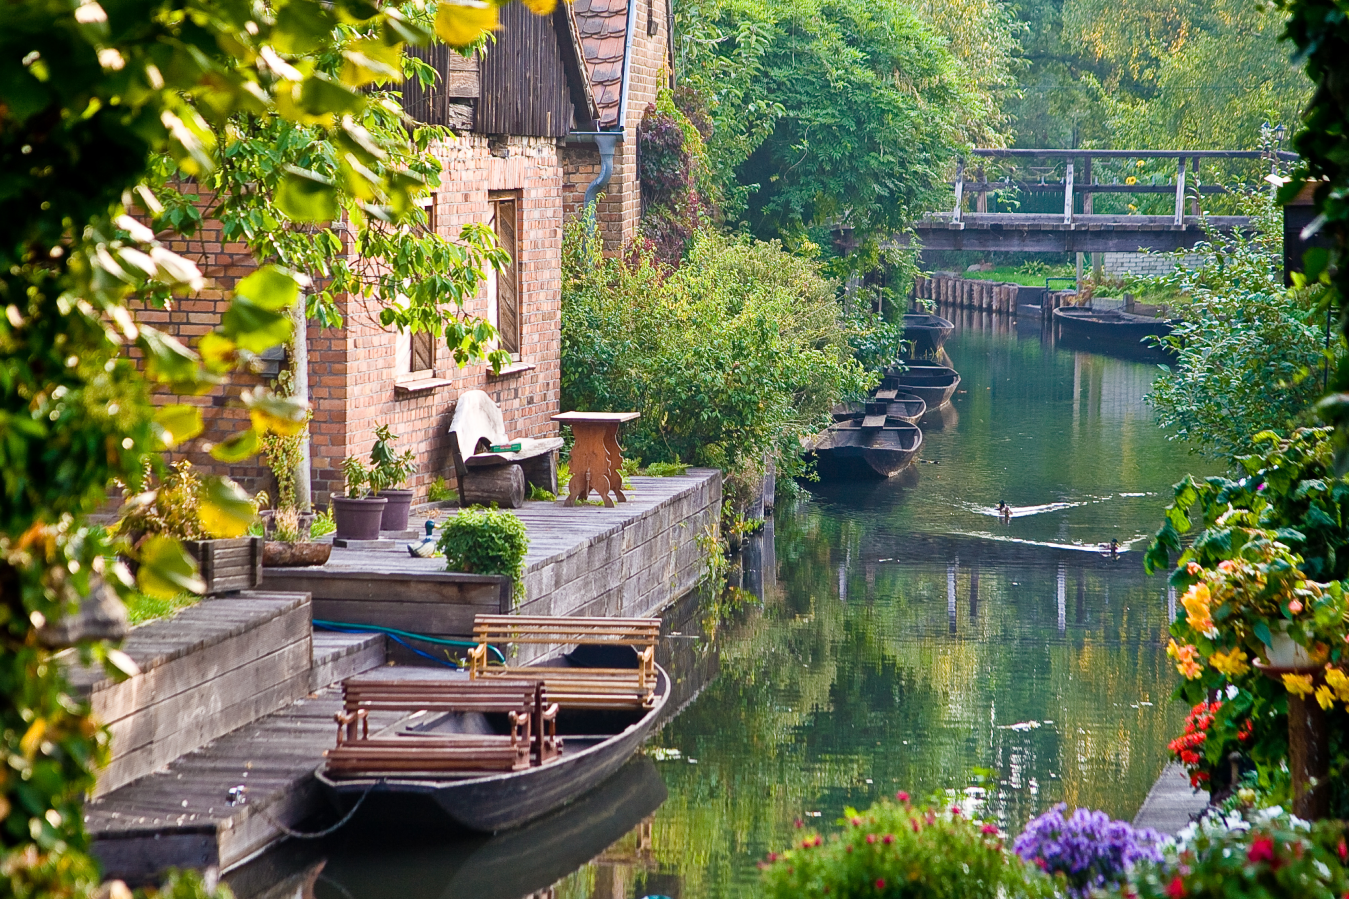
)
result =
(871, 838)
(1262, 850)
(889, 838)
(1044, 866)
(955, 809)
(1343, 849)
(856, 822)
(990, 829)
(772, 856)
(799, 824)
(1176, 888)
(880, 883)
(914, 822)
(902, 796)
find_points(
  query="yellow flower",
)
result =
(1300, 684)
(1131, 180)
(1139, 164)
(1196, 601)
(1187, 659)
(1230, 663)
(1324, 698)
(1338, 682)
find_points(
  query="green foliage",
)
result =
(355, 475)
(828, 114)
(729, 359)
(141, 607)
(896, 850)
(323, 525)
(387, 467)
(666, 469)
(676, 187)
(439, 491)
(1319, 33)
(1231, 859)
(1250, 352)
(485, 541)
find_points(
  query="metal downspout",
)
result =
(606, 144)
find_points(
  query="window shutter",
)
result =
(508, 281)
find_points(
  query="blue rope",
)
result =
(395, 633)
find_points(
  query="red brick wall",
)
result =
(353, 369)
(621, 207)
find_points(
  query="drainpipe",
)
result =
(606, 141)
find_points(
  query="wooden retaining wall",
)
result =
(210, 669)
(1000, 298)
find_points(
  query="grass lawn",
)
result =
(1020, 275)
(141, 608)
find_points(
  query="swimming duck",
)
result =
(424, 548)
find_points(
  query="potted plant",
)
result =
(389, 470)
(173, 509)
(357, 515)
(287, 529)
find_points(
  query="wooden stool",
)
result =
(596, 455)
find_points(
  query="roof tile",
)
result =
(602, 25)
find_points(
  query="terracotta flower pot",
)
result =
(276, 554)
(396, 512)
(358, 519)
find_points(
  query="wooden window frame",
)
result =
(509, 327)
(422, 344)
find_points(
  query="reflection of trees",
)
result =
(817, 695)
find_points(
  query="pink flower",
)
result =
(871, 838)
(856, 822)
(1343, 849)
(890, 838)
(914, 822)
(772, 856)
(1295, 606)
(902, 796)
(955, 809)
(799, 824)
(990, 829)
(880, 883)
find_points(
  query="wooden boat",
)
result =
(935, 384)
(595, 744)
(1114, 327)
(904, 408)
(509, 865)
(926, 333)
(852, 450)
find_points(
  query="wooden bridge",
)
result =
(1082, 231)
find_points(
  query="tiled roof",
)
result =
(602, 24)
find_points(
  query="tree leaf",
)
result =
(226, 510)
(176, 423)
(274, 414)
(460, 23)
(166, 570)
(236, 447)
(271, 287)
(166, 359)
(305, 196)
(254, 328)
(301, 27)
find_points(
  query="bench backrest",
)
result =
(476, 419)
(439, 695)
(566, 630)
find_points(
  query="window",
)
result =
(503, 287)
(418, 350)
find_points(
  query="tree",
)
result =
(829, 114)
(90, 94)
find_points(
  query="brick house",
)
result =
(526, 117)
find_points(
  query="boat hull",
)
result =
(849, 453)
(926, 333)
(904, 409)
(933, 384)
(497, 802)
(1110, 327)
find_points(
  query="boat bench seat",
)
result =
(531, 718)
(574, 687)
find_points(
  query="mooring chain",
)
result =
(237, 797)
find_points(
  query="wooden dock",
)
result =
(1172, 803)
(629, 560)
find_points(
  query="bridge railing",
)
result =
(1088, 186)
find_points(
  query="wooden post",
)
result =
(1086, 180)
(960, 188)
(1194, 201)
(1068, 195)
(981, 203)
(1309, 758)
(1180, 193)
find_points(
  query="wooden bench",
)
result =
(487, 477)
(532, 723)
(574, 687)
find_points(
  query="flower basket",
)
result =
(277, 554)
(227, 566)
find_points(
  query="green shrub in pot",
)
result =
(485, 541)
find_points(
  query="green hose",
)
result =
(393, 631)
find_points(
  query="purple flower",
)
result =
(1088, 848)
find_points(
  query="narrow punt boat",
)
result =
(934, 384)
(595, 744)
(851, 450)
(926, 333)
(901, 408)
(1110, 327)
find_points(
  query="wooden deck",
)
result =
(180, 816)
(629, 560)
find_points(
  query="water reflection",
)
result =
(882, 636)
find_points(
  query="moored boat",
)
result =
(933, 383)
(926, 333)
(595, 744)
(1111, 326)
(904, 408)
(849, 450)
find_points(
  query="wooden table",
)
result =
(596, 455)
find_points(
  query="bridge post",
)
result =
(1068, 195)
(1180, 193)
(1086, 179)
(960, 189)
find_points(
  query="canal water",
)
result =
(885, 636)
